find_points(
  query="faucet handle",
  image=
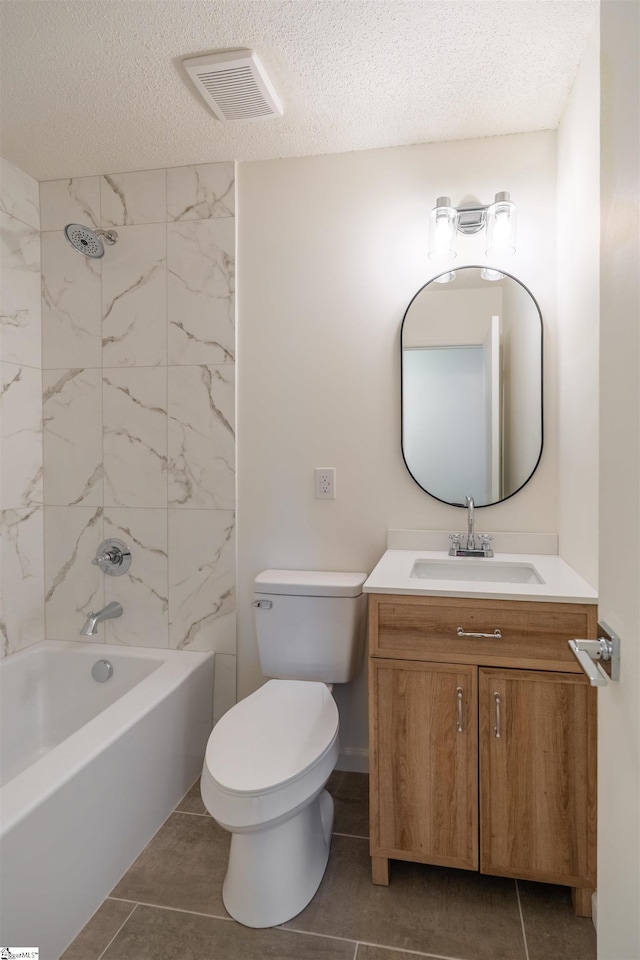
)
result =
(456, 540)
(113, 557)
(485, 540)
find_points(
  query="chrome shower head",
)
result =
(89, 242)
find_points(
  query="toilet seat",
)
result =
(270, 753)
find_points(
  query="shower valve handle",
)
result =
(113, 557)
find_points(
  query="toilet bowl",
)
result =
(269, 757)
(265, 768)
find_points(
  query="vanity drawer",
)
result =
(533, 635)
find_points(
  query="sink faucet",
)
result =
(471, 539)
(470, 548)
(113, 609)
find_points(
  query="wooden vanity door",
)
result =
(537, 776)
(424, 763)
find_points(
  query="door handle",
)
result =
(459, 721)
(497, 730)
(496, 635)
(605, 648)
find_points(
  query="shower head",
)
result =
(89, 242)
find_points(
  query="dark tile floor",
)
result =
(168, 906)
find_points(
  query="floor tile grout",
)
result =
(407, 950)
(282, 927)
(192, 913)
(124, 922)
(524, 932)
(367, 943)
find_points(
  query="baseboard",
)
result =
(354, 760)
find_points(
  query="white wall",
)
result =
(578, 319)
(619, 704)
(331, 250)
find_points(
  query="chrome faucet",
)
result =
(113, 609)
(471, 539)
(471, 548)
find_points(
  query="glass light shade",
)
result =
(442, 230)
(487, 274)
(445, 277)
(501, 226)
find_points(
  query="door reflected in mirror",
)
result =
(472, 386)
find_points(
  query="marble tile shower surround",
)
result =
(21, 474)
(139, 407)
(20, 292)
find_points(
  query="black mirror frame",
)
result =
(537, 306)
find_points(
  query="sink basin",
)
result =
(478, 571)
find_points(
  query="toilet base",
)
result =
(274, 873)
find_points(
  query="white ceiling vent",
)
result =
(234, 85)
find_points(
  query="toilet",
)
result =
(270, 756)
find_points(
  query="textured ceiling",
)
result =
(91, 86)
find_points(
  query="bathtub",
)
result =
(90, 771)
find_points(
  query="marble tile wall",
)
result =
(139, 407)
(21, 478)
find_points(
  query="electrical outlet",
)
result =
(325, 483)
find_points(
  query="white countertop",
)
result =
(561, 583)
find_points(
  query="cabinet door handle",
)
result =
(498, 727)
(496, 635)
(459, 726)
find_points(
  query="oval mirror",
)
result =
(472, 386)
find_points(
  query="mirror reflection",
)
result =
(472, 386)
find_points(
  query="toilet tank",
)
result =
(310, 624)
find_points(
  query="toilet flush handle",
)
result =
(263, 604)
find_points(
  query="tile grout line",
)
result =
(408, 951)
(366, 943)
(193, 813)
(524, 932)
(124, 922)
(282, 927)
(160, 906)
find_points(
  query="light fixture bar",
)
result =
(446, 221)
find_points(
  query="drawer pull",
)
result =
(459, 726)
(498, 727)
(496, 635)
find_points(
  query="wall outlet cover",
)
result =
(325, 483)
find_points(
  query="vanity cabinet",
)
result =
(483, 749)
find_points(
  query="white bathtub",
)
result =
(90, 772)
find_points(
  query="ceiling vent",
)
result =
(234, 85)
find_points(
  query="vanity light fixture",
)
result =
(446, 221)
(442, 230)
(488, 274)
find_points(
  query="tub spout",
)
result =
(113, 609)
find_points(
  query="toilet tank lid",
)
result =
(310, 583)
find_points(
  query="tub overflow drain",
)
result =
(102, 670)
